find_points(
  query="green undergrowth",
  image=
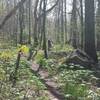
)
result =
(28, 85)
(75, 82)
(60, 48)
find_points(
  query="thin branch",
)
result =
(50, 9)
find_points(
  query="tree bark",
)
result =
(89, 46)
(44, 30)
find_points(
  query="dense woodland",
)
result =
(49, 49)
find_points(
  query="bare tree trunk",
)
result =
(21, 20)
(35, 23)
(44, 30)
(62, 22)
(98, 26)
(29, 40)
(82, 26)
(89, 46)
(65, 36)
(74, 25)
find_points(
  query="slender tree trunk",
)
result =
(35, 23)
(44, 30)
(29, 40)
(65, 36)
(82, 26)
(21, 17)
(62, 22)
(58, 23)
(74, 24)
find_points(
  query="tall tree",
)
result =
(65, 11)
(82, 32)
(21, 23)
(62, 22)
(36, 23)
(43, 29)
(29, 40)
(89, 45)
(74, 24)
(98, 25)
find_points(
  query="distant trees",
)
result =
(32, 23)
(60, 18)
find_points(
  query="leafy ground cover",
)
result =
(73, 84)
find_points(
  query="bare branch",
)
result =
(50, 9)
(12, 12)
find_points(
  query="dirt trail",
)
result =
(52, 91)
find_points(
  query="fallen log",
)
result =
(80, 57)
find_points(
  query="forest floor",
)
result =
(54, 86)
(50, 83)
(47, 79)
